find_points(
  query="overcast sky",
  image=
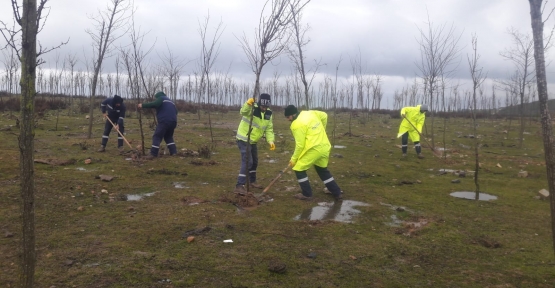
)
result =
(384, 31)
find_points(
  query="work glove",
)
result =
(291, 163)
(402, 115)
(272, 146)
(104, 115)
(250, 101)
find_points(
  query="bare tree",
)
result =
(11, 65)
(134, 61)
(536, 12)
(29, 18)
(478, 78)
(521, 55)
(271, 37)
(438, 51)
(297, 54)
(209, 53)
(172, 68)
(334, 97)
(106, 25)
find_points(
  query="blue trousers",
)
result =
(252, 165)
(108, 128)
(164, 130)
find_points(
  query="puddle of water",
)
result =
(395, 222)
(339, 146)
(397, 208)
(340, 211)
(179, 185)
(137, 197)
(472, 196)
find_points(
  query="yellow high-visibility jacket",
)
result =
(417, 119)
(261, 124)
(309, 130)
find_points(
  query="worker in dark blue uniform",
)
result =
(166, 113)
(113, 109)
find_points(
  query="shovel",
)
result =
(120, 134)
(422, 137)
(275, 179)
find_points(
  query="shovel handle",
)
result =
(275, 179)
(119, 132)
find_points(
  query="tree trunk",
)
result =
(541, 79)
(26, 139)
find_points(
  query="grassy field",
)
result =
(412, 233)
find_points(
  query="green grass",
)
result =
(86, 238)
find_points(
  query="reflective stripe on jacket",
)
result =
(415, 117)
(261, 124)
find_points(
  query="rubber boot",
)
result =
(102, 148)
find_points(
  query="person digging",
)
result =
(312, 148)
(262, 125)
(411, 126)
(166, 114)
(113, 110)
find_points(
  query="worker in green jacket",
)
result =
(261, 126)
(411, 126)
(312, 148)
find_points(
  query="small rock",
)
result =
(104, 191)
(544, 194)
(311, 255)
(106, 178)
(498, 165)
(87, 117)
(352, 257)
(80, 208)
(8, 234)
(130, 208)
(88, 161)
(462, 174)
(190, 239)
(456, 181)
(336, 155)
(400, 209)
(418, 181)
(69, 262)
(522, 174)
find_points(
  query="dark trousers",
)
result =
(251, 166)
(108, 128)
(325, 176)
(405, 142)
(164, 130)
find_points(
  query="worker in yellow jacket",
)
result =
(261, 126)
(411, 126)
(312, 148)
